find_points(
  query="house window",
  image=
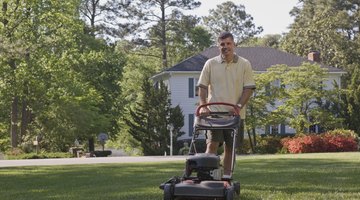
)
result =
(272, 129)
(156, 85)
(276, 83)
(191, 123)
(271, 86)
(321, 85)
(267, 90)
(193, 90)
(315, 128)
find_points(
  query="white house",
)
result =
(181, 78)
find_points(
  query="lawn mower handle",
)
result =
(236, 108)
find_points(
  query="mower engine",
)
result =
(207, 166)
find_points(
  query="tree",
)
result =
(331, 27)
(138, 67)
(149, 120)
(154, 11)
(232, 18)
(102, 67)
(272, 41)
(110, 19)
(176, 118)
(301, 98)
(55, 82)
(30, 27)
(184, 37)
(264, 101)
(305, 98)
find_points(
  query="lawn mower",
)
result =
(202, 178)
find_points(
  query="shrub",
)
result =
(304, 144)
(268, 144)
(14, 152)
(200, 145)
(184, 150)
(245, 147)
(4, 144)
(343, 132)
(340, 143)
(41, 155)
(327, 142)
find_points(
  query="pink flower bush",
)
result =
(326, 142)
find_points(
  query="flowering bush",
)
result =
(338, 143)
(326, 142)
(304, 144)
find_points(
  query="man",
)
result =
(225, 78)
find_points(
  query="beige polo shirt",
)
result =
(226, 81)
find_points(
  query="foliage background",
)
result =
(72, 69)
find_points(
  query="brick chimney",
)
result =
(314, 56)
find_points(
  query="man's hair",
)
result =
(225, 35)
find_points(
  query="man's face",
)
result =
(226, 46)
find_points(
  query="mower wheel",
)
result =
(168, 192)
(187, 169)
(237, 187)
(229, 194)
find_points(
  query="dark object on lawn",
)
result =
(101, 153)
(208, 183)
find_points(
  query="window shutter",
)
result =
(282, 129)
(191, 123)
(191, 87)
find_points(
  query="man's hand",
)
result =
(233, 111)
(204, 111)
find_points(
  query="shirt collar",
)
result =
(235, 59)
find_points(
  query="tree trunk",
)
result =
(254, 135)
(24, 119)
(241, 134)
(14, 122)
(163, 36)
(15, 100)
(251, 141)
(91, 144)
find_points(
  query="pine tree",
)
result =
(149, 119)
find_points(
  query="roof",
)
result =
(194, 63)
(260, 58)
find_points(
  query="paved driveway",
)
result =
(78, 161)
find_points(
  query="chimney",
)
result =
(314, 56)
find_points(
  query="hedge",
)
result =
(333, 141)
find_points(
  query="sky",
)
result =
(272, 15)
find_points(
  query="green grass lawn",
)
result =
(303, 176)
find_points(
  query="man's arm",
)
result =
(245, 96)
(203, 94)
